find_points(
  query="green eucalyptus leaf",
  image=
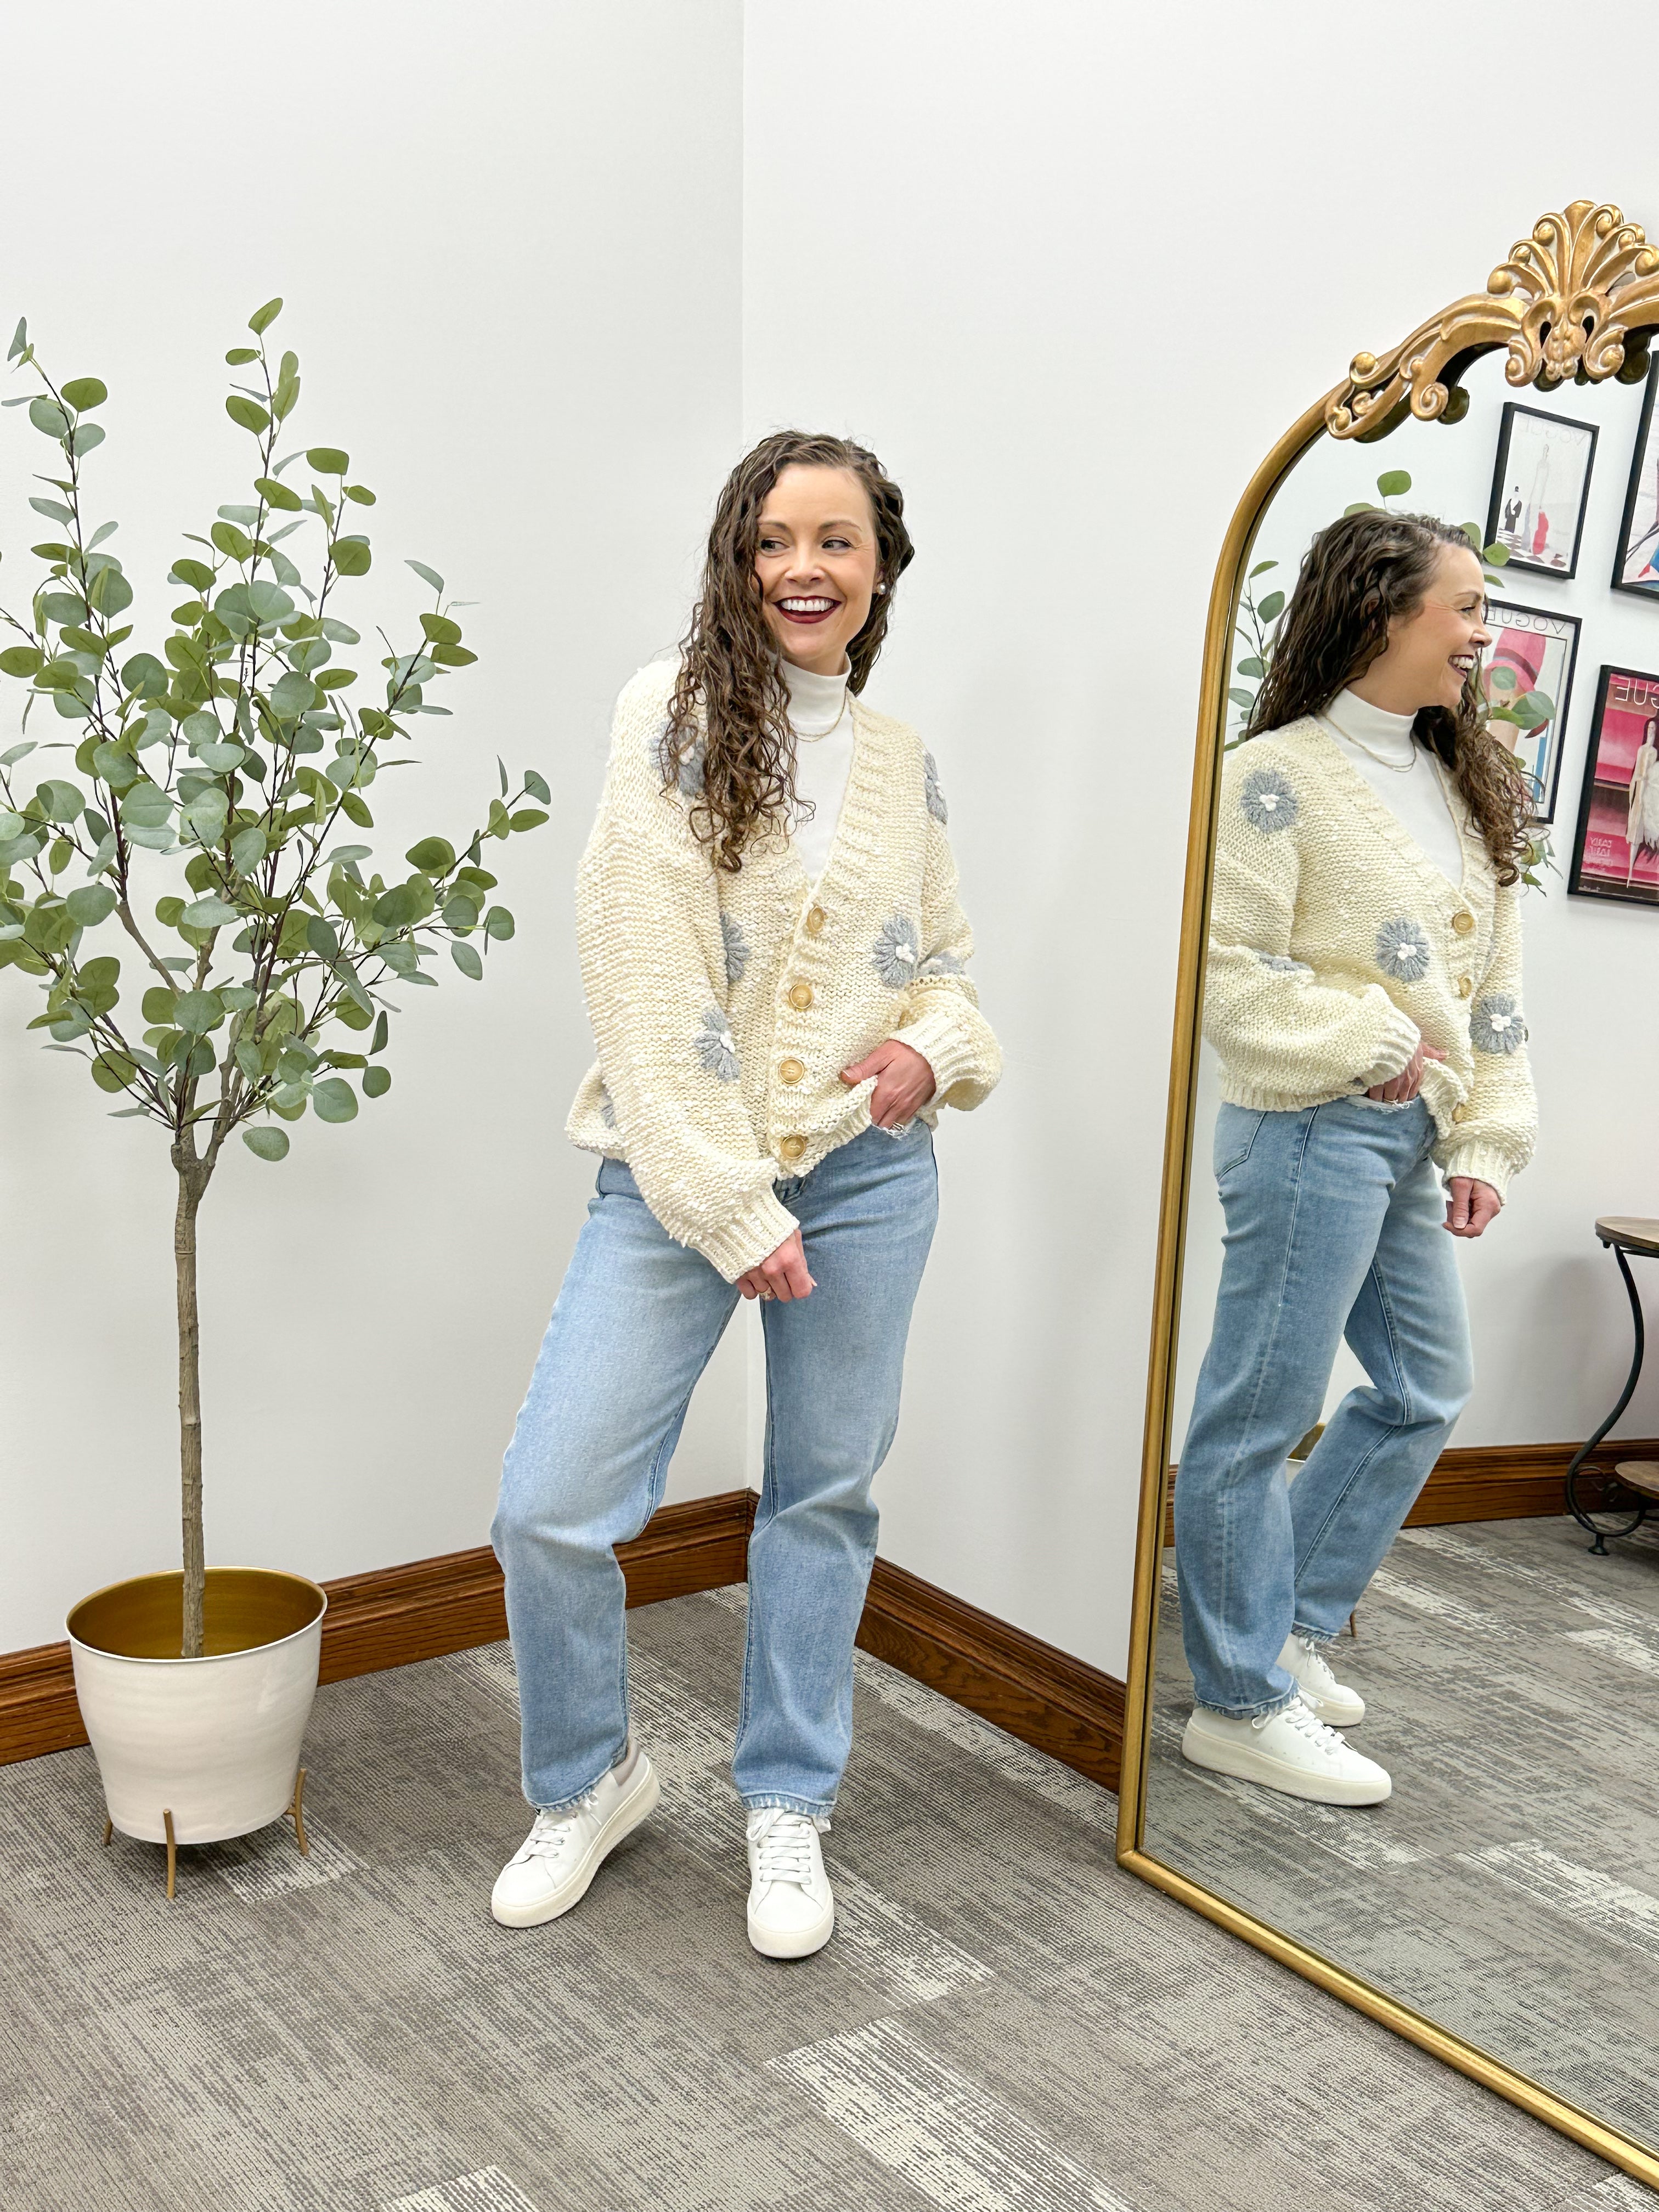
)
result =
(1394, 484)
(334, 1100)
(46, 415)
(467, 959)
(261, 317)
(209, 913)
(327, 460)
(537, 787)
(1272, 607)
(21, 660)
(377, 1081)
(84, 437)
(54, 510)
(196, 574)
(499, 923)
(427, 575)
(352, 556)
(266, 1143)
(85, 392)
(231, 540)
(528, 817)
(198, 1012)
(433, 856)
(239, 356)
(90, 904)
(277, 495)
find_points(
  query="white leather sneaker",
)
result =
(791, 1910)
(1291, 1750)
(1335, 1703)
(551, 1870)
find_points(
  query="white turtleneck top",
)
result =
(1408, 781)
(822, 723)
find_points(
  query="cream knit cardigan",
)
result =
(1335, 944)
(725, 1006)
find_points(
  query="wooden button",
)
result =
(800, 996)
(793, 1147)
(815, 921)
(1460, 1113)
(1462, 923)
(790, 1070)
(1465, 985)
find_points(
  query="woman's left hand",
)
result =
(904, 1081)
(1471, 1205)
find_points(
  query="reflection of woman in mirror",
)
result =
(1642, 822)
(772, 956)
(1363, 994)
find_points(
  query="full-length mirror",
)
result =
(1397, 1706)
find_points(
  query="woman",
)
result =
(773, 956)
(1362, 992)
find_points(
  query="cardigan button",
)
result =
(800, 996)
(815, 921)
(793, 1147)
(790, 1070)
(1462, 923)
(1465, 985)
(1460, 1113)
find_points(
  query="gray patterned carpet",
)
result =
(1003, 2022)
(1509, 1887)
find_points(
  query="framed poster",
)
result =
(1636, 563)
(1540, 489)
(1527, 672)
(1615, 854)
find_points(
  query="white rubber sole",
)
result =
(1333, 1712)
(637, 1802)
(1246, 1763)
(794, 1942)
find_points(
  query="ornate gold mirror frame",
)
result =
(1579, 300)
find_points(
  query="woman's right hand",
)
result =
(1408, 1081)
(781, 1274)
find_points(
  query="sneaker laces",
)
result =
(783, 1848)
(1318, 1666)
(553, 1831)
(1301, 1717)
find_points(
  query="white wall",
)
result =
(1062, 266)
(1057, 264)
(509, 248)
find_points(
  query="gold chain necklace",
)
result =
(1397, 767)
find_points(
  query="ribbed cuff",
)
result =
(1396, 1048)
(744, 1243)
(1482, 1162)
(943, 1044)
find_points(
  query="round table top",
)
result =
(1634, 1234)
(1639, 1474)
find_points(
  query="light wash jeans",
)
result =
(1334, 1229)
(636, 1323)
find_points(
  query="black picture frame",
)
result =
(1513, 411)
(1586, 880)
(1555, 623)
(1646, 447)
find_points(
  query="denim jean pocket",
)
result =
(1237, 1128)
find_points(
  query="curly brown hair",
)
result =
(1359, 573)
(727, 737)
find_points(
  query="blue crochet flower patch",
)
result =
(1282, 964)
(688, 776)
(1495, 1025)
(942, 963)
(936, 805)
(715, 1047)
(896, 953)
(1267, 800)
(1403, 949)
(737, 949)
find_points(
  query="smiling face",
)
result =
(815, 558)
(1430, 651)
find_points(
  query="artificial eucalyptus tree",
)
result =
(231, 773)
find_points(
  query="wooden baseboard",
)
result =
(1043, 1696)
(414, 1612)
(1036, 1692)
(1499, 1482)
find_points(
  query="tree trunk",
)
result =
(191, 1183)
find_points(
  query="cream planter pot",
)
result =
(214, 1742)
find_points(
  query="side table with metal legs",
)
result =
(1616, 1503)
